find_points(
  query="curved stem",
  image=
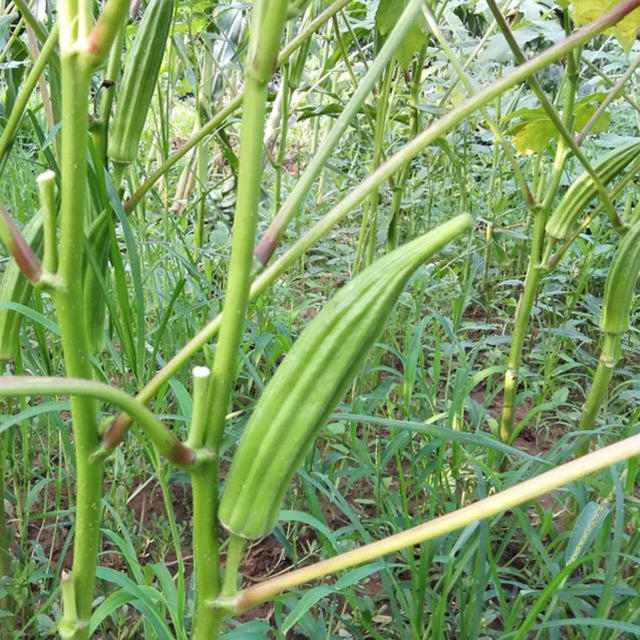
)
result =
(609, 356)
(497, 503)
(168, 443)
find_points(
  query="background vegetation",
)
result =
(418, 434)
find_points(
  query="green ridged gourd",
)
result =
(312, 379)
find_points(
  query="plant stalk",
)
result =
(609, 357)
(391, 165)
(494, 504)
(268, 20)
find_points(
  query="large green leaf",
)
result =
(585, 11)
(389, 11)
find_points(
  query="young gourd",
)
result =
(312, 379)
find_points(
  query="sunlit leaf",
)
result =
(585, 11)
(533, 130)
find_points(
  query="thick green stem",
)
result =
(609, 357)
(394, 163)
(267, 26)
(79, 55)
(523, 311)
(69, 306)
(497, 503)
(536, 256)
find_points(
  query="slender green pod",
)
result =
(16, 287)
(139, 81)
(95, 308)
(621, 282)
(614, 322)
(311, 380)
(583, 190)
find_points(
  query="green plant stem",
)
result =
(107, 93)
(204, 108)
(26, 90)
(76, 76)
(268, 20)
(109, 24)
(234, 557)
(561, 125)
(609, 357)
(79, 55)
(521, 325)
(391, 165)
(284, 133)
(497, 503)
(365, 251)
(222, 115)
(198, 427)
(47, 195)
(168, 444)
(535, 270)
(506, 147)
(270, 238)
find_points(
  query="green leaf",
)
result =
(314, 595)
(587, 525)
(534, 137)
(414, 39)
(389, 11)
(585, 11)
(533, 130)
(252, 630)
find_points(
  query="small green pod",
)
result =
(311, 381)
(15, 287)
(139, 81)
(95, 302)
(582, 191)
(621, 283)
